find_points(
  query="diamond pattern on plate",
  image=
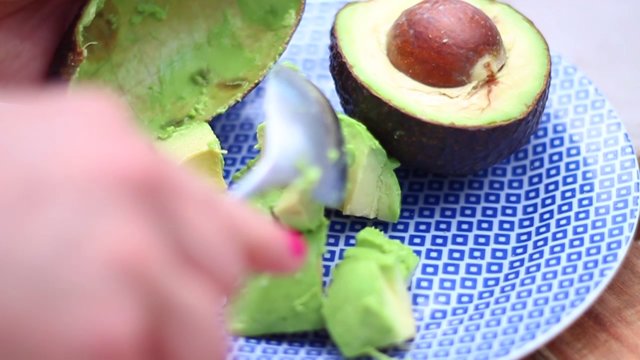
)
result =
(510, 255)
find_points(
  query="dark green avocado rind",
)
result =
(419, 143)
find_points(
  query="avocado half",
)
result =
(447, 131)
(177, 62)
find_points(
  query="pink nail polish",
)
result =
(297, 245)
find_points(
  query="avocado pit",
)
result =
(446, 43)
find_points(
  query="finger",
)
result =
(264, 244)
(180, 303)
(267, 246)
(117, 332)
(224, 236)
(183, 304)
(213, 230)
(88, 307)
(205, 244)
(188, 316)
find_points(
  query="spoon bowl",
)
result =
(302, 130)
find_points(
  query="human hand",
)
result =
(107, 250)
(30, 33)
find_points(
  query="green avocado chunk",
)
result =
(293, 205)
(270, 304)
(367, 305)
(373, 190)
(197, 148)
(371, 242)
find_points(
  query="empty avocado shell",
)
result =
(175, 61)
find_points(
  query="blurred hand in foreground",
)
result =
(108, 250)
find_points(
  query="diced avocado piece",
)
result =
(367, 305)
(293, 205)
(373, 190)
(270, 304)
(296, 205)
(371, 240)
(196, 147)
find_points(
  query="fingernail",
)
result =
(297, 245)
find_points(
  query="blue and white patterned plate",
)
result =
(510, 257)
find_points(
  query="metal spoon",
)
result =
(301, 128)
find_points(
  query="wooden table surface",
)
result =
(591, 34)
(611, 328)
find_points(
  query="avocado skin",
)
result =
(69, 54)
(420, 144)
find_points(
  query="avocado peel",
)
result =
(177, 65)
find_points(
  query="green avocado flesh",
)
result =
(371, 240)
(293, 205)
(360, 31)
(197, 148)
(373, 190)
(177, 62)
(367, 305)
(270, 304)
